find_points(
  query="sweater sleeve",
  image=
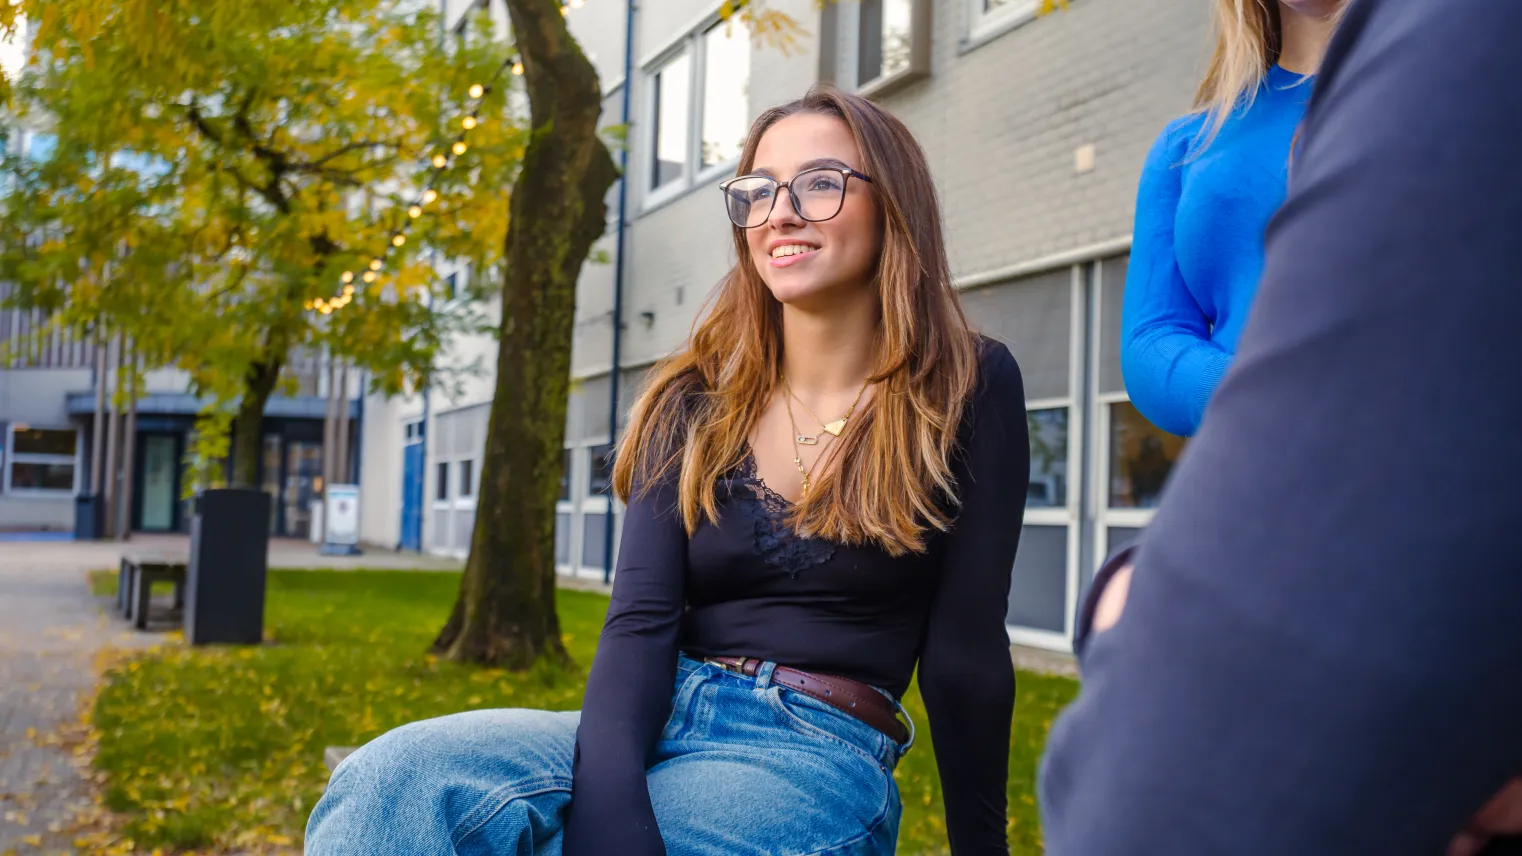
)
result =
(1320, 648)
(965, 672)
(628, 696)
(1171, 367)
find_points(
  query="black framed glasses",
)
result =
(817, 194)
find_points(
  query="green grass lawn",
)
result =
(222, 747)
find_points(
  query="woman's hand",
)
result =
(1112, 601)
(1501, 816)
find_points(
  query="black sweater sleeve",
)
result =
(965, 672)
(628, 695)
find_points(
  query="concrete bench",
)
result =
(134, 585)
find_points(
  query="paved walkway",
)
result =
(50, 632)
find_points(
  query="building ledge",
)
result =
(185, 404)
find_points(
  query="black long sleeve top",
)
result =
(746, 586)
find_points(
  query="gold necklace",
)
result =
(835, 428)
(797, 452)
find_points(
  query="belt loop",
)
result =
(764, 675)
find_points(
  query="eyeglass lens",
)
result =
(817, 194)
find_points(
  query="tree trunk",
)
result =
(248, 429)
(505, 614)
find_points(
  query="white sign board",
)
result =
(342, 513)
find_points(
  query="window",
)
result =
(565, 475)
(700, 107)
(467, 479)
(726, 93)
(1049, 458)
(989, 18)
(42, 459)
(452, 286)
(441, 488)
(1141, 457)
(892, 43)
(672, 105)
(885, 34)
(600, 475)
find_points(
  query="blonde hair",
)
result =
(1249, 38)
(894, 478)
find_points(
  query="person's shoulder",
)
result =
(998, 372)
(1174, 143)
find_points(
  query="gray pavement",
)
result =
(51, 630)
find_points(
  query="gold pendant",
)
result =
(807, 440)
(836, 427)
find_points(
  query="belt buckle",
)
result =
(732, 668)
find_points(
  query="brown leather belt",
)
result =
(852, 698)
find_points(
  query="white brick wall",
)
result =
(1000, 122)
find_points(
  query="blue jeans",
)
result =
(743, 768)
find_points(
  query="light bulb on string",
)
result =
(564, 10)
(469, 122)
(310, 305)
(415, 211)
(375, 264)
(439, 161)
(348, 291)
(325, 309)
(429, 195)
(348, 276)
(458, 148)
(477, 90)
(518, 67)
(398, 240)
(369, 276)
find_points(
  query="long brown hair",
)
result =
(893, 480)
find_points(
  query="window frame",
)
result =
(983, 26)
(692, 44)
(920, 36)
(12, 457)
(465, 485)
(657, 194)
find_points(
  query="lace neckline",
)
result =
(775, 540)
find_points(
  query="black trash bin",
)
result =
(89, 517)
(229, 558)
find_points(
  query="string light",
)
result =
(439, 160)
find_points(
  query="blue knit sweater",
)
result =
(1197, 249)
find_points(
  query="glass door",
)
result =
(303, 480)
(160, 481)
